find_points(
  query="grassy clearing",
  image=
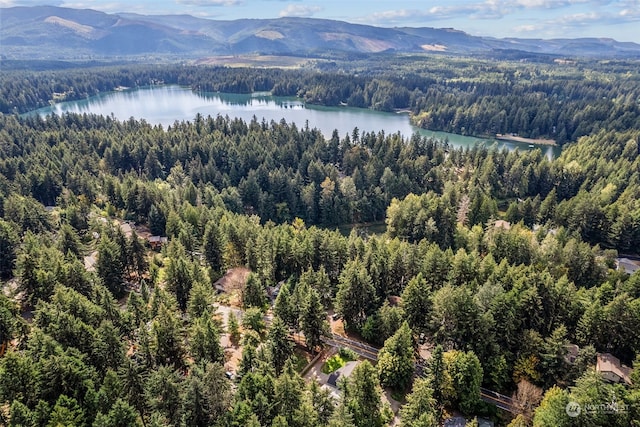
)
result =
(333, 363)
(337, 361)
(300, 361)
(399, 396)
(369, 228)
(261, 61)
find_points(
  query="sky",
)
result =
(617, 19)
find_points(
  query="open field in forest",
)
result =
(261, 61)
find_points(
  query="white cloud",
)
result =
(210, 3)
(580, 19)
(107, 7)
(12, 3)
(546, 4)
(392, 16)
(531, 18)
(585, 19)
(300, 11)
(529, 28)
(102, 6)
(630, 15)
(562, 25)
(488, 9)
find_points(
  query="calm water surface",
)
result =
(166, 104)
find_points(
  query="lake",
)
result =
(165, 104)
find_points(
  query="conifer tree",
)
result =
(204, 340)
(109, 266)
(396, 359)
(313, 320)
(8, 248)
(356, 294)
(416, 301)
(421, 408)
(254, 294)
(233, 328)
(279, 343)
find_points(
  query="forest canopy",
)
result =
(501, 260)
(563, 100)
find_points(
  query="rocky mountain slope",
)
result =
(47, 32)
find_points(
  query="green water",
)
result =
(166, 104)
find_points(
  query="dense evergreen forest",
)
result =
(499, 259)
(561, 101)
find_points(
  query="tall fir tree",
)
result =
(313, 320)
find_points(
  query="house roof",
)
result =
(455, 422)
(506, 225)
(607, 362)
(343, 372)
(273, 291)
(333, 379)
(483, 422)
(572, 352)
(333, 392)
(462, 421)
(158, 239)
(126, 229)
(629, 266)
(394, 300)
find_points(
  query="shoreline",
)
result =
(539, 141)
(496, 137)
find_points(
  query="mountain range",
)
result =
(49, 32)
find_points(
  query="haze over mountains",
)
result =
(47, 32)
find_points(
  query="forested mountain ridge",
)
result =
(30, 32)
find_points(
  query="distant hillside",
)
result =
(48, 32)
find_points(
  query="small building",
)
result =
(460, 421)
(127, 229)
(612, 369)
(157, 242)
(483, 422)
(500, 223)
(334, 393)
(233, 280)
(343, 372)
(273, 291)
(394, 300)
(572, 353)
(90, 261)
(455, 422)
(197, 255)
(627, 265)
